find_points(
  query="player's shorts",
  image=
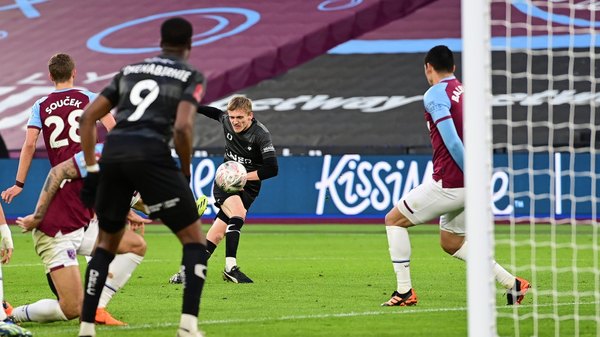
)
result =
(430, 200)
(59, 251)
(161, 185)
(89, 239)
(248, 194)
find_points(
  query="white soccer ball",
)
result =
(231, 176)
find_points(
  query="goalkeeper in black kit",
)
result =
(248, 142)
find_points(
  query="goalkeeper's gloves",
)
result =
(88, 192)
(201, 204)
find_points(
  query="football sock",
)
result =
(230, 262)
(40, 311)
(506, 279)
(210, 247)
(232, 236)
(399, 244)
(193, 265)
(95, 277)
(189, 323)
(461, 253)
(119, 272)
(87, 329)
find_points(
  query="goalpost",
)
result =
(531, 72)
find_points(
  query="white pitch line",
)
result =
(403, 311)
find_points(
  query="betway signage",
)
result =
(374, 104)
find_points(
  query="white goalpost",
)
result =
(478, 167)
(531, 72)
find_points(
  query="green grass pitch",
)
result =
(328, 280)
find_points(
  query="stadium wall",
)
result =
(355, 188)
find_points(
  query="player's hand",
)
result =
(137, 222)
(28, 223)
(6, 245)
(88, 192)
(10, 193)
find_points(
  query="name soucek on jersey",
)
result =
(146, 95)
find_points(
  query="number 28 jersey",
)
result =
(146, 96)
(57, 116)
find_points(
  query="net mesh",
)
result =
(545, 117)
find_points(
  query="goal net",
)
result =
(543, 97)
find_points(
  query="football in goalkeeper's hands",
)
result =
(231, 176)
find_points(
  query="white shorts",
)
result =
(89, 239)
(58, 251)
(430, 200)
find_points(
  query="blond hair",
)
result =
(240, 102)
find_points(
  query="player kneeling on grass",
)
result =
(59, 252)
(444, 195)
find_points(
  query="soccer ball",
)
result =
(231, 176)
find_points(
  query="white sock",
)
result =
(399, 244)
(119, 271)
(230, 262)
(506, 279)
(189, 322)
(41, 311)
(461, 253)
(87, 329)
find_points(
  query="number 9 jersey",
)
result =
(146, 96)
(57, 116)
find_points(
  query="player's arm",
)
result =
(437, 104)
(25, 159)
(6, 243)
(270, 168)
(108, 121)
(210, 112)
(93, 112)
(60, 172)
(183, 135)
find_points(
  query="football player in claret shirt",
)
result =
(59, 234)
(444, 195)
(156, 101)
(56, 116)
(247, 141)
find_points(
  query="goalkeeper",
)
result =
(248, 142)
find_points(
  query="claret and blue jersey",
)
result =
(443, 113)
